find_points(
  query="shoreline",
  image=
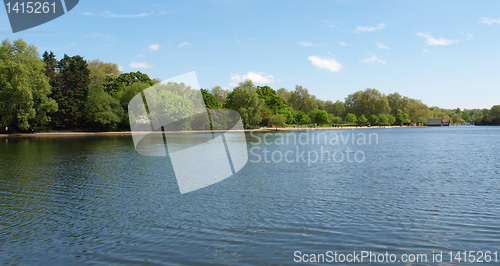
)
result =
(129, 133)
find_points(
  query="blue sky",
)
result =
(446, 53)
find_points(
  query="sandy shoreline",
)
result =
(128, 133)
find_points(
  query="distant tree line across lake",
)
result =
(44, 93)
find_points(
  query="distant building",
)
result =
(438, 122)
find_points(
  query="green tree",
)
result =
(320, 104)
(373, 119)
(50, 67)
(284, 94)
(129, 92)
(173, 103)
(319, 117)
(457, 119)
(363, 120)
(118, 84)
(402, 119)
(466, 117)
(301, 118)
(278, 120)
(350, 118)
(301, 100)
(397, 103)
(103, 73)
(70, 92)
(495, 111)
(24, 87)
(383, 119)
(336, 109)
(275, 103)
(210, 101)
(220, 94)
(265, 113)
(391, 119)
(102, 111)
(417, 111)
(245, 100)
(331, 118)
(334, 119)
(367, 102)
(495, 115)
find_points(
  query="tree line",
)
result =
(71, 93)
(263, 106)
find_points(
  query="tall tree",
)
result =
(320, 104)
(70, 92)
(50, 67)
(284, 94)
(103, 73)
(210, 101)
(417, 111)
(102, 111)
(275, 103)
(245, 100)
(220, 94)
(130, 92)
(397, 103)
(367, 102)
(495, 115)
(24, 87)
(265, 113)
(336, 109)
(301, 100)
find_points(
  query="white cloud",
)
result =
(344, 44)
(120, 68)
(154, 47)
(140, 65)
(255, 77)
(382, 46)
(431, 41)
(183, 44)
(360, 29)
(306, 44)
(330, 24)
(468, 36)
(325, 63)
(489, 21)
(372, 59)
(109, 14)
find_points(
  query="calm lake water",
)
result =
(95, 200)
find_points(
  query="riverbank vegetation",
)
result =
(71, 93)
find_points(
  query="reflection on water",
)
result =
(94, 199)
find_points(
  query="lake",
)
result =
(396, 190)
